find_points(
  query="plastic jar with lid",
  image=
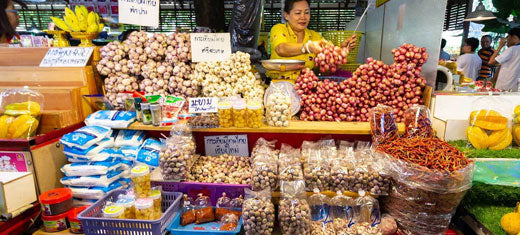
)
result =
(157, 200)
(255, 114)
(225, 113)
(144, 209)
(115, 211)
(55, 223)
(56, 201)
(141, 179)
(75, 223)
(239, 113)
(128, 203)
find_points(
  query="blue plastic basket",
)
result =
(209, 228)
(94, 224)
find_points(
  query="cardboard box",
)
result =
(17, 190)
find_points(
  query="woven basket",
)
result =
(337, 37)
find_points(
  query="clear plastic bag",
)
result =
(316, 167)
(265, 173)
(188, 211)
(343, 212)
(490, 123)
(21, 110)
(382, 124)
(222, 207)
(369, 174)
(278, 107)
(177, 155)
(203, 210)
(341, 165)
(229, 222)
(417, 122)
(265, 149)
(294, 212)
(258, 212)
(289, 166)
(319, 204)
(418, 190)
(204, 120)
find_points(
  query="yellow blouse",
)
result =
(282, 33)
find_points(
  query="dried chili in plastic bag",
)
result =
(382, 124)
(417, 122)
(204, 211)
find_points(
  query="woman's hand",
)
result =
(350, 43)
(315, 47)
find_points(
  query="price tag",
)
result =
(226, 144)
(207, 47)
(203, 105)
(139, 12)
(67, 57)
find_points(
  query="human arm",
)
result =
(288, 49)
(350, 43)
(492, 59)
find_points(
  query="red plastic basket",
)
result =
(212, 190)
(94, 224)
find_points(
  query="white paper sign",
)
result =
(226, 144)
(139, 12)
(210, 47)
(67, 57)
(203, 105)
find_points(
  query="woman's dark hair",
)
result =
(288, 5)
(514, 31)
(443, 43)
(6, 29)
(473, 42)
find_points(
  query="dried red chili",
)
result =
(382, 124)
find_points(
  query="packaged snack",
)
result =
(170, 110)
(87, 153)
(229, 222)
(289, 166)
(93, 180)
(316, 167)
(489, 124)
(294, 211)
(129, 138)
(85, 137)
(75, 223)
(266, 148)
(141, 180)
(91, 168)
(203, 210)
(56, 201)
(342, 164)
(144, 209)
(188, 211)
(222, 207)
(265, 173)
(55, 223)
(278, 107)
(382, 124)
(343, 213)
(417, 122)
(239, 113)
(369, 213)
(258, 212)
(237, 202)
(225, 113)
(128, 202)
(157, 200)
(94, 192)
(149, 152)
(111, 118)
(369, 174)
(178, 154)
(114, 211)
(21, 112)
(255, 114)
(204, 120)
(321, 222)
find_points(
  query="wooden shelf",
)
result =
(303, 127)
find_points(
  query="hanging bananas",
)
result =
(79, 20)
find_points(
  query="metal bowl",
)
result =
(290, 65)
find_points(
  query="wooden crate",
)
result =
(16, 191)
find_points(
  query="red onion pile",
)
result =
(399, 86)
(330, 58)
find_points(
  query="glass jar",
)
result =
(157, 200)
(144, 209)
(147, 113)
(114, 212)
(255, 114)
(128, 203)
(141, 180)
(225, 113)
(239, 113)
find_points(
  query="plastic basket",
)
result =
(350, 67)
(337, 37)
(94, 223)
(209, 228)
(212, 190)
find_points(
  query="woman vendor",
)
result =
(293, 41)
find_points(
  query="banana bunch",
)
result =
(79, 20)
(20, 120)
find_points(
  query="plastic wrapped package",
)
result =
(93, 180)
(382, 124)
(255, 113)
(289, 165)
(85, 137)
(278, 107)
(129, 138)
(149, 152)
(21, 110)
(237, 202)
(265, 173)
(94, 192)
(188, 211)
(111, 118)
(239, 113)
(141, 180)
(144, 209)
(319, 204)
(229, 222)
(343, 213)
(369, 173)
(294, 212)
(177, 155)
(258, 212)
(203, 210)
(157, 200)
(434, 194)
(222, 206)
(489, 124)
(316, 169)
(91, 168)
(225, 113)
(417, 122)
(204, 120)
(341, 165)
(264, 147)
(369, 215)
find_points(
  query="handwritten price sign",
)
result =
(207, 47)
(139, 12)
(226, 144)
(67, 57)
(203, 105)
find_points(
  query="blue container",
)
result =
(209, 228)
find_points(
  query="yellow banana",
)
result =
(100, 27)
(91, 18)
(60, 23)
(93, 28)
(97, 18)
(82, 19)
(72, 20)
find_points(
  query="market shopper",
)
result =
(9, 20)
(469, 62)
(485, 54)
(509, 61)
(293, 40)
(443, 55)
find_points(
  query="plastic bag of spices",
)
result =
(258, 212)
(264, 147)
(320, 214)
(382, 124)
(222, 207)
(417, 122)
(369, 215)
(188, 211)
(343, 212)
(289, 166)
(204, 211)
(294, 212)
